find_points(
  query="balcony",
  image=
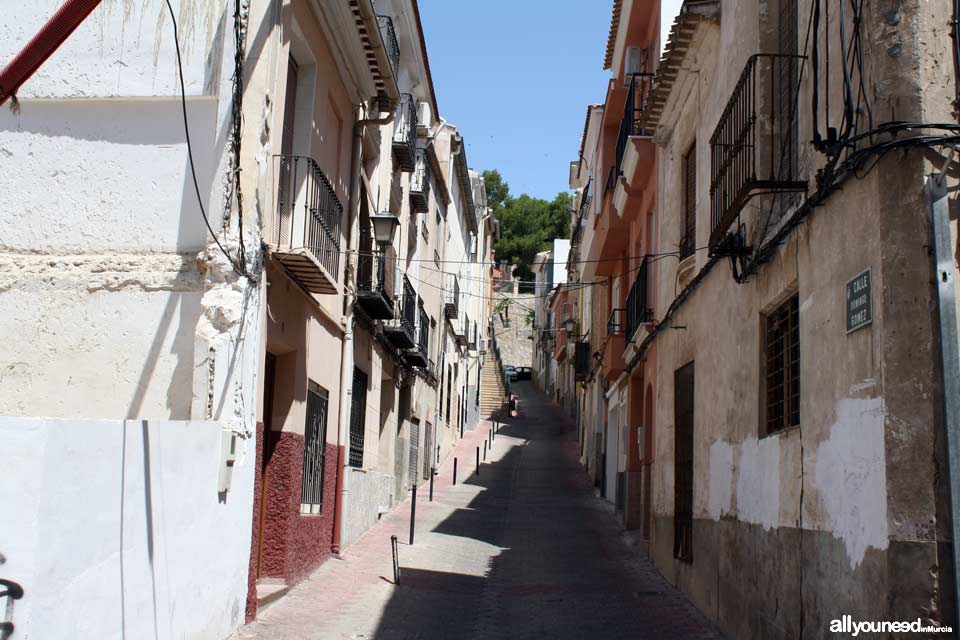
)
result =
(420, 184)
(472, 337)
(376, 274)
(633, 106)
(306, 234)
(451, 298)
(389, 35)
(613, 363)
(401, 330)
(754, 148)
(639, 311)
(405, 133)
(417, 356)
(460, 330)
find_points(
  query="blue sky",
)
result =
(516, 77)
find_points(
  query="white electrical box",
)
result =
(228, 456)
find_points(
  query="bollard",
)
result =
(396, 560)
(454, 471)
(413, 512)
(478, 460)
(484, 451)
(432, 473)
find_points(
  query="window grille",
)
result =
(782, 366)
(358, 417)
(683, 464)
(688, 239)
(314, 449)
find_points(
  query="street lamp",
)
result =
(570, 325)
(384, 226)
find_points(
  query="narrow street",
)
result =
(524, 550)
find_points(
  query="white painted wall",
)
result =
(108, 521)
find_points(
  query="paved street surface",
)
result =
(525, 550)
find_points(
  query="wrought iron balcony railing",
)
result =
(755, 145)
(585, 197)
(401, 331)
(420, 183)
(582, 360)
(405, 133)
(389, 35)
(417, 356)
(308, 218)
(633, 106)
(616, 323)
(451, 297)
(638, 303)
(376, 277)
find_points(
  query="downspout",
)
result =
(346, 351)
(56, 30)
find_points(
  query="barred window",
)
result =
(781, 357)
(314, 449)
(358, 417)
(688, 239)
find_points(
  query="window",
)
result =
(689, 234)
(683, 399)
(314, 449)
(358, 417)
(781, 372)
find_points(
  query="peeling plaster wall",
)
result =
(846, 513)
(117, 306)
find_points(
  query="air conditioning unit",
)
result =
(632, 63)
(424, 117)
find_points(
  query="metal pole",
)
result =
(413, 511)
(484, 451)
(949, 348)
(478, 460)
(454, 471)
(396, 560)
(432, 473)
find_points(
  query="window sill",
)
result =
(780, 432)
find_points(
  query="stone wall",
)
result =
(513, 327)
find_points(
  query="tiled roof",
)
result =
(612, 38)
(681, 36)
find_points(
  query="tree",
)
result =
(528, 225)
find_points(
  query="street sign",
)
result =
(859, 305)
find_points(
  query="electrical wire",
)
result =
(186, 131)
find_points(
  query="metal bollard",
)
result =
(396, 560)
(454, 471)
(478, 460)
(432, 473)
(484, 451)
(413, 512)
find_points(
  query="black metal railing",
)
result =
(405, 132)
(616, 322)
(638, 303)
(451, 297)
(585, 197)
(633, 106)
(377, 271)
(581, 360)
(308, 211)
(423, 333)
(420, 183)
(755, 145)
(389, 35)
(408, 307)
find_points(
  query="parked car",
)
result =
(524, 373)
(510, 372)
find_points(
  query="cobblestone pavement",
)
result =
(524, 550)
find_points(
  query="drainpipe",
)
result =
(56, 30)
(346, 352)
